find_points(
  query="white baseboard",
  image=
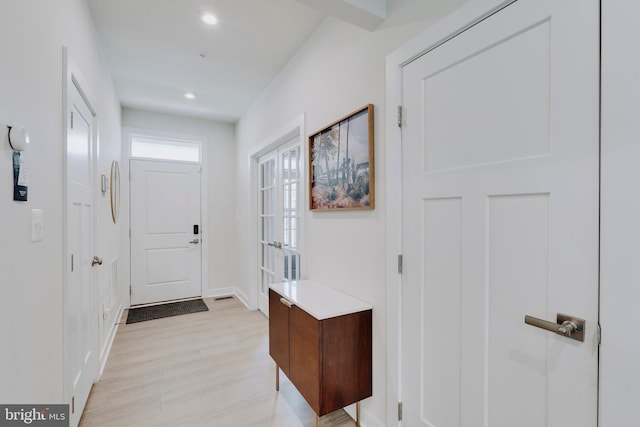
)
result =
(242, 297)
(365, 419)
(104, 354)
(221, 292)
(228, 292)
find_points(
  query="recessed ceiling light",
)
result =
(209, 19)
(189, 95)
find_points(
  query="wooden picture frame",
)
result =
(341, 164)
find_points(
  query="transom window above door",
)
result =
(145, 147)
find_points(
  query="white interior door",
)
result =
(279, 187)
(166, 259)
(500, 220)
(80, 311)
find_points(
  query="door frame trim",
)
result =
(442, 31)
(285, 134)
(73, 78)
(127, 134)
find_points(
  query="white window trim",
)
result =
(196, 141)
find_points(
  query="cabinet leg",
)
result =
(315, 420)
(277, 377)
(357, 414)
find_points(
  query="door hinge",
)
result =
(399, 411)
(599, 333)
(71, 262)
(72, 120)
(73, 404)
(399, 116)
(130, 291)
(400, 264)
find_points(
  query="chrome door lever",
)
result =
(276, 245)
(568, 326)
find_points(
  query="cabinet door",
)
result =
(346, 360)
(305, 356)
(279, 331)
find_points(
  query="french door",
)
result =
(279, 200)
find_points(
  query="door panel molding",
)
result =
(79, 207)
(165, 246)
(440, 33)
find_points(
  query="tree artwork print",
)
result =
(341, 163)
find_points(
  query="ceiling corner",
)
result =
(367, 14)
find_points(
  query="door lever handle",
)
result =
(276, 245)
(195, 241)
(568, 326)
(96, 260)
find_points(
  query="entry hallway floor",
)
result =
(208, 369)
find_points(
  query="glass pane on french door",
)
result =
(290, 184)
(279, 211)
(267, 214)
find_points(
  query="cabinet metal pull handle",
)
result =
(567, 326)
(195, 241)
(286, 302)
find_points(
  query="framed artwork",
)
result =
(341, 164)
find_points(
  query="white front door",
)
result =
(80, 312)
(166, 256)
(279, 189)
(500, 220)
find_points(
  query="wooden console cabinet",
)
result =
(321, 340)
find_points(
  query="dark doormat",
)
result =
(165, 310)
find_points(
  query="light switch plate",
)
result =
(37, 225)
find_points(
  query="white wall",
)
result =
(620, 215)
(221, 194)
(339, 69)
(31, 285)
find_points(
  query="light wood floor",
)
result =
(204, 369)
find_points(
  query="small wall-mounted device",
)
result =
(18, 138)
(19, 141)
(104, 183)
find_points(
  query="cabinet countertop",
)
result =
(320, 301)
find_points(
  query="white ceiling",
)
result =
(159, 49)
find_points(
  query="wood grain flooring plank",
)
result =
(209, 369)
